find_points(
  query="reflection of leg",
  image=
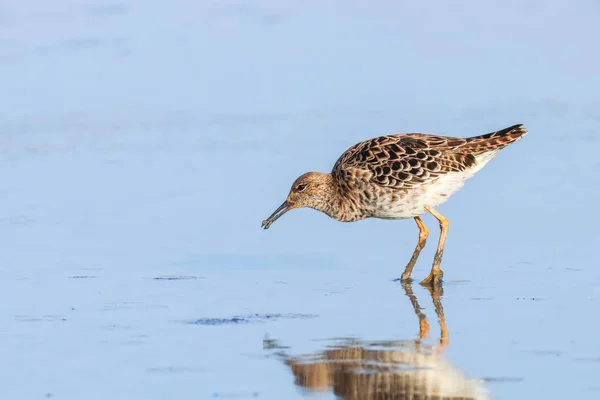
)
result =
(423, 233)
(423, 325)
(436, 296)
(435, 277)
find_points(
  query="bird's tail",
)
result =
(494, 141)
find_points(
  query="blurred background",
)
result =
(142, 143)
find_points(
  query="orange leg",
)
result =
(423, 233)
(435, 277)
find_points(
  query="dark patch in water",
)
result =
(530, 298)
(335, 339)
(273, 344)
(217, 321)
(503, 379)
(44, 318)
(175, 277)
(82, 277)
(246, 319)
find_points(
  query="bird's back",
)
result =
(407, 159)
(394, 176)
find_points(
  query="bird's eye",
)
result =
(301, 187)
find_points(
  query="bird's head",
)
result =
(312, 189)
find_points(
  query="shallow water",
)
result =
(142, 143)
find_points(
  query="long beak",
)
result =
(285, 207)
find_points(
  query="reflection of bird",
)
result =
(358, 370)
(398, 177)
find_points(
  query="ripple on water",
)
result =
(246, 319)
(175, 277)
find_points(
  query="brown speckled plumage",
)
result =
(397, 177)
(412, 159)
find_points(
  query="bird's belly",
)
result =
(413, 202)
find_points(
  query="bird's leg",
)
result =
(423, 233)
(435, 277)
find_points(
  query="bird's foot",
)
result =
(434, 279)
(404, 279)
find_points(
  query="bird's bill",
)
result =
(285, 207)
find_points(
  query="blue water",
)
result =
(143, 142)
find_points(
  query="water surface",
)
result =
(142, 143)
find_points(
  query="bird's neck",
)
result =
(339, 205)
